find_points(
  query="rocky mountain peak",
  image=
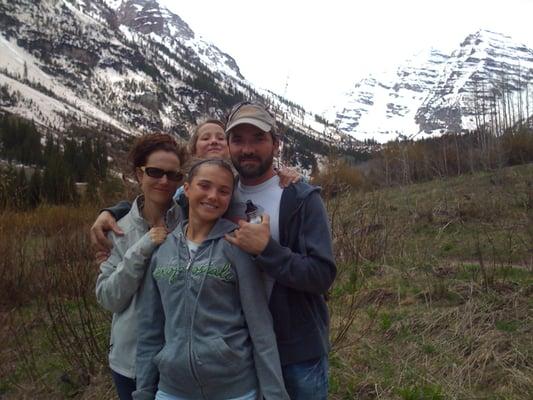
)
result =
(148, 16)
(485, 36)
(127, 67)
(434, 92)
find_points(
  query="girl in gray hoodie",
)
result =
(156, 160)
(205, 330)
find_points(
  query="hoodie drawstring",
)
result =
(211, 247)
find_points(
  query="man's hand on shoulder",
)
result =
(251, 238)
(101, 245)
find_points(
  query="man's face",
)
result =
(252, 151)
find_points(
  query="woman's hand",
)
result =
(287, 176)
(158, 234)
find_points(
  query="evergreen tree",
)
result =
(100, 159)
(91, 194)
(85, 159)
(35, 189)
(51, 149)
(31, 148)
(72, 159)
(58, 182)
(21, 190)
(9, 139)
(7, 187)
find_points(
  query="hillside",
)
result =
(132, 66)
(435, 290)
(432, 301)
(484, 83)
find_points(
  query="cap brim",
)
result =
(252, 121)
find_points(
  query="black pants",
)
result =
(125, 386)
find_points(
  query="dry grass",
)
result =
(444, 333)
(55, 334)
(436, 285)
(433, 298)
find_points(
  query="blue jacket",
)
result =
(303, 267)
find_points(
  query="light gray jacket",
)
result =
(119, 280)
(205, 330)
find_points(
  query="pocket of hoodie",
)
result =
(172, 364)
(219, 362)
(226, 352)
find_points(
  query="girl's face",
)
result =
(209, 193)
(159, 191)
(211, 142)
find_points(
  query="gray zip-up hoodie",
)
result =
(121, 275)
(205, 331)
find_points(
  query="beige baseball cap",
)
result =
(253, 114)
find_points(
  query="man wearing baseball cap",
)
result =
(292, 245)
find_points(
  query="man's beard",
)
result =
(252, 171)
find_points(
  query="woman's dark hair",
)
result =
(194, 137)
(196, 163)
(147, 144)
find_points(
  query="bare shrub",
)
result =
(361, 232)
(48, 281)
(338, 177)
(78, 325)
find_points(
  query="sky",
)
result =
(312, 52)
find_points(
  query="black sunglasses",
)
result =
(158, 173)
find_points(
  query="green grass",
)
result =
(431, 323)
(421, 393)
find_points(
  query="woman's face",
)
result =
(209, 193)
(211, 142)
(159, 190)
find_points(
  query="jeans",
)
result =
(160, 395)
(307, 380)
(125, 386)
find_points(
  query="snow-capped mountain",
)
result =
(150, 18)
(131, 65)
(434, 93)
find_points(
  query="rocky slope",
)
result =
(435, 93)
(131, 65)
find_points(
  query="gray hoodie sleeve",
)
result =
(122, 273)
(255, 306)
(150, 338)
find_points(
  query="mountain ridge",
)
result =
(437, 92)
(132, 65)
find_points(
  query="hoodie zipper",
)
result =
(183, 240)
(188, 286)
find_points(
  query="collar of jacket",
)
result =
(172, 216)
(292, 200)
(221, 227)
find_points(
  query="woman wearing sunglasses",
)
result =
(205, 330)
(156, 161)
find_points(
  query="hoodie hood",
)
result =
(221, 227)
(303, 189)
(172, 216)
